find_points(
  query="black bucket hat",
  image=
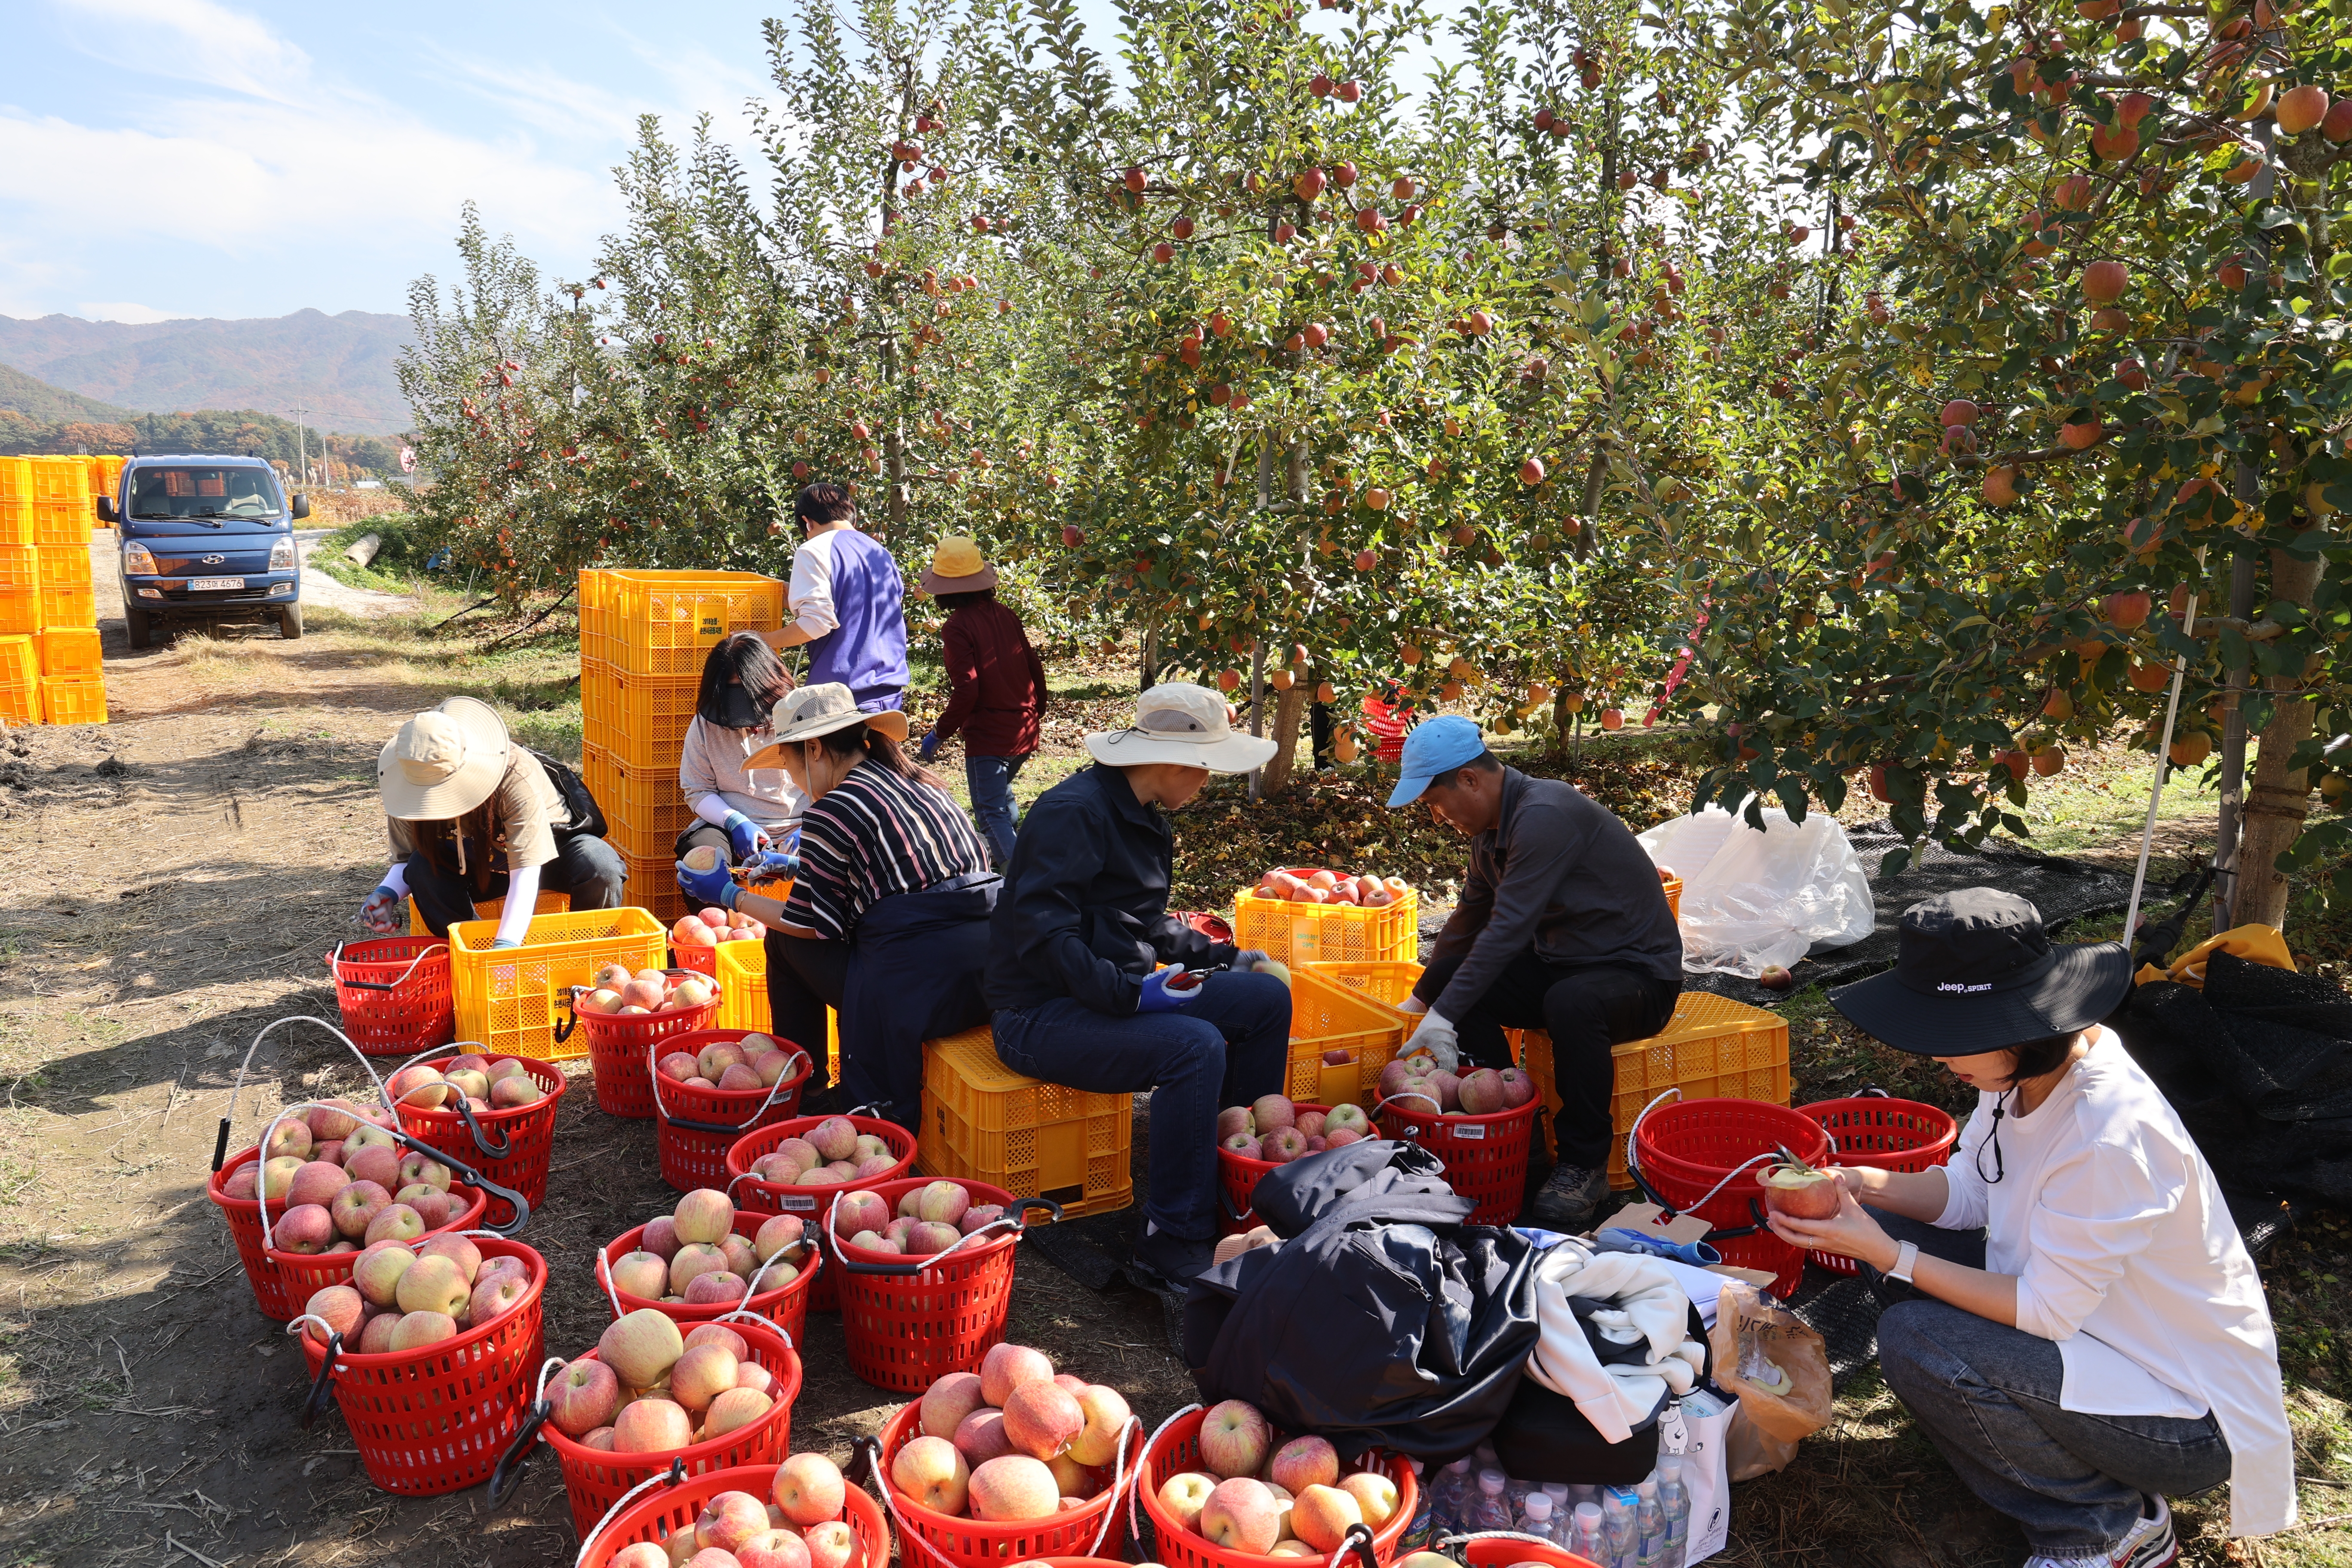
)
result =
(1974, 972)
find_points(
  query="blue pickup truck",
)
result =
(205, 538)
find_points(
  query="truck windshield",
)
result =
(194, 492)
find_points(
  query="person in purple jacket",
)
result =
(847, 602)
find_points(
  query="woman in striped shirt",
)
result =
(888, 918)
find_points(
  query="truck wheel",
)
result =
(289, 623)
(136, 626)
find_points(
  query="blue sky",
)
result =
(166, 158)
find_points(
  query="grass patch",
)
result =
(399, 560)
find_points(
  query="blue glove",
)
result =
(711, 887)
(773, 866)
(745, 836)
(1157, 996)
(504, 942)
(930, 747)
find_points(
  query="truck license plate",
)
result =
(203, 585)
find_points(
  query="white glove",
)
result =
(1436, 1037)
(1414, 1004)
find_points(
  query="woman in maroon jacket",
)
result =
(998, 683)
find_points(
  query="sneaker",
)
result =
(1570, 1199)
(2151, 1543)
(1169, 1260)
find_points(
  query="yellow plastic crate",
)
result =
(64, 565)
(20, 611)
(73, 701)
(511, 1000)
(595, 600)
(1713, 1048)
(985, 1122)
(665, 622)
(653, 885)
(741, 970)
(106, 475)
(645, 808)
(62, 521)
(1326, 1017)
(1326, 933)
(20, 680)
(545, 904)
(638, 720)
(20, 704)
(20, 566)
(60, 479)
(71, 653)
(15, 479)
(15, 519)
(69, 605)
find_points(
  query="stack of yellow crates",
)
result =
(105, 479)
(49, 668)
(643, 639)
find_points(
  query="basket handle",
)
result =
(1134, 1529)
(499, 1151)
(774, 1327)
(653, 1070)
(675, 1474)
(565, 1025)
(1754, 1207)
(504, 1480)
(318, 1395)
(1225, 1202)
(335, 966)
(1358, 1539)
(476, 1179)
(1011, 1220)
(220, 1140)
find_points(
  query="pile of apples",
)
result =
(402, 1299)
(616, 991)
(1333, 887)
(756, 1061)
(930, 1219)
(1286, 1502)
(801, 1527)
(1272, 1129)
(1418, 1083)
(482, 1084)
(693, 1257)
(828, 1154)
(1015, 1440)
(710, 927)
(344, 1183)
(651, 1390)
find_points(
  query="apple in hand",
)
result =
(1801, 1192)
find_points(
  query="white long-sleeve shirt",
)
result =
(2127, 1257)
(808, 593)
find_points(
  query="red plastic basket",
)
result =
(786, 1305)
(1097, 1527)
(435, 1420)
(525, 1132)
(694, 1127)
(242, 1216)
(617, 1047)
(909, 1322)
(1176, 1448)
(394, 994)
(1237, 1178)
(594, 1479)
(1683, 1151)
(1499, 1551)
(664, 1508)
(1883, 1134)
(1485, 1157)
(305, 1274)
(772, 1197)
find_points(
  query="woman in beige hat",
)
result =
(472, 816)
(998, 685)
(888, 918)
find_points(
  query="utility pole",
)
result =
(301, 445)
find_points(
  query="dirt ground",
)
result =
(168, 885)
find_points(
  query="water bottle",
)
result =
(1583, 1491)
(1674, 1503)
(1488, 1509)
(1619, 1540)
(1449, 1498)
(1586, 1536)
(1650, 1527)
(1516, 1492)
(1535, 1517)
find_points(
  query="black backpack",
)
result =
(587, 818)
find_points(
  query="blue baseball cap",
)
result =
(1435, 746)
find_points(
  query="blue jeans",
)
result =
(1988, 1396)
(989, 779)
(1228, 1049)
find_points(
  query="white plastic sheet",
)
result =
(1752, 899)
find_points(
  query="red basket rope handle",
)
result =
(505, 1145)
(816, 1257)
(220, 1143)
(1118, 1481)
(1012, 1221)
(457, 1168)
(672, 1477)
(335, 967)
(1135, 1530)
(653, 1070)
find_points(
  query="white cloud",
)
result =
(123, 311)
(193, 41)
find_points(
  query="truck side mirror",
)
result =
(106, 509)
(302, 508)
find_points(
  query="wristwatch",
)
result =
(1907, 1258)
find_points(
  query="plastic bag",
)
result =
(1779, 1370)
(1752, 899)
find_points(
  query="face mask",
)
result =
(737, 709)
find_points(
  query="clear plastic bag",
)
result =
(1752, 899)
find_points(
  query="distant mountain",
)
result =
(38, 417)
(37, 400)
(339, 367)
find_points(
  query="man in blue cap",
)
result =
(1563, 926)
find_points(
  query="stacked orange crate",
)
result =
(65, 602)
(20, 577)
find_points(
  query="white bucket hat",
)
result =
(442, 764)
(808, 712)
(1185, 725)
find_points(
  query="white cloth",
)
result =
(2126, 1255)
(1646, 1305)
(522, 902)
(808, 596)
(710, 764)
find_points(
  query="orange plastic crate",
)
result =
(20, 611)
(69, 605)
(985, 1122)
(639, 721)
(20, 705)
(60, 479)
(20, 660)
(20, 566)
(64, 565)
(69, 653)
(645, 808)
(665, 622)
(15, 479)
(653, 885)
(545, 904)
(106, 475)
(74, 701)
(62, 521)
(1326, 933)
(1326, 1017)
(510, 999)
(15, 520)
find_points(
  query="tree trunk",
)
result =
(2275, 808)
(1289, 708)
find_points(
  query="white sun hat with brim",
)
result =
(1188, 725)
(444, 763)
(808, 712)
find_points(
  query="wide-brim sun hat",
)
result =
(809, 711)
(1975, 972)
(956, 567)
(443, 763)
(1188, 725)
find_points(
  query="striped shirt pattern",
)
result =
(875, 834)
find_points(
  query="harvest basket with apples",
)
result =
(510, 999)
(707, 1258)
(1008, 1463)
(1273, 1130)
(792, 1167)
(1480, 1123)
(1874, 1128)
(1694, 1158)
(311, 1251)
(1307, 914)
(682, 1514)
(623, 1013)
(712, 1086)
(916, 1306)
(696, 936)
(497, 1113)
(394, 994)
(714, 1397)
(431, 1414)
(1201, 1486)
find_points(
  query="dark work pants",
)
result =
(1585, 1012)
(805, 976)
(589, 869)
